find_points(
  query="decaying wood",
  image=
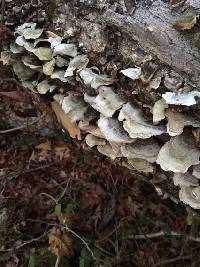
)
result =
(171, 47)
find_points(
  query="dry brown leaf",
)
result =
(44, 146)
(67, 218)
(62, 152)
(59, 244)
(51, 34)
(71, 127)
(42, 152)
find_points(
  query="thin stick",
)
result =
(57, 261)
(161, 233)
(13, 129)
(27, 242)
(84, 242)
(21, 127)
(172, 260)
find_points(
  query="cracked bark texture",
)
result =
(177, 49)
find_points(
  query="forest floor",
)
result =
(62, 204)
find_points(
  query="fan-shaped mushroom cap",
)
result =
(190, 196)
(143, 149)
(135, 124)
(74, 107)
(94, 80)
(178, 154)
(92, 140)
(106, 102)
(113, 131)
(187, 99)
(185, 179)
(159, 110)
(177, 121)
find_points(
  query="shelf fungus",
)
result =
(74, 107)
(48, 67)
(132, 73)
(185, 179)
(178, 154)
(196, 171)
(44, 87)
(113, 131)
(177, 121)
(135, 124)
(31, 62)
(65, 50)
(45, 63)
(22, 72)
(142, 149)
(108, 151)
(107, 102)
(159, 111)
(92, 140)
(29, 31)
(186, 99)
(173, 81)
(79, 62)
(92, 129)
(94, 80)
(190, 196)
(140, 165)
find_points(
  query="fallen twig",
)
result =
(172, 260)
(79, 237)
(161, 233)
(20, 127)
(13, 129)
(26, 243)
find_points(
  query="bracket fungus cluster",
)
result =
(115, 126)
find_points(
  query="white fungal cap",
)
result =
(132, 73)
(15, 49)
(48, 67)
(130, 112)
(113, 131)
(185, 179)
(177, 121)
(29, 31)
(92, 140)
(159, 110)
(65, 50)
(141, 165)
(44, 87)
(196, 171)
(59, 74)
(178, 154)
(74, 107)
(190, 196)
(135, 124)
(143, 149)
(94, 80)
(106, 102)
(54, 41)
(30, 62)
(187, 99)
(93, 129)
(108, 151)
(77, 62)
